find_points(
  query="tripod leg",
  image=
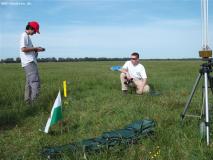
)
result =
(191, 95)
(202, 113)
(206, 107)
(210, 82)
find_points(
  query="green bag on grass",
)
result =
(127, 136)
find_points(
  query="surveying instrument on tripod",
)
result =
(206, 68)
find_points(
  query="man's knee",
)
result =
(139, 91)
(122, 75)
(146, 89)
(122, 78)
(34, 85)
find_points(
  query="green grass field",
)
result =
(95, 105)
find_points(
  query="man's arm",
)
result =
(24, 45)
(122, 70)
(126, 72)
(33, 49)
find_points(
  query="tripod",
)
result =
(205, 70)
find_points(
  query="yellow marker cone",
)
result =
(65, 88)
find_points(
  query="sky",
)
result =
(106, 28)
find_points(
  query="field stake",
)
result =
(65, 88)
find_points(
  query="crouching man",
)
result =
(134, 73)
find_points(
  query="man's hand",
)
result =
(128, 76)
(39, 49)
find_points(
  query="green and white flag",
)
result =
(56, 113)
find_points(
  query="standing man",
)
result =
(134, 72)
(28, 55)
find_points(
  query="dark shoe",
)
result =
(28, 102)
(125, 92)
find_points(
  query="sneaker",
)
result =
(28, 102)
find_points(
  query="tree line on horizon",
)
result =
(53, 59)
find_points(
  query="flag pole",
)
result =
(60, 123)
(56, 113)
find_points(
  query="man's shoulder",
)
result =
(24, 34)
(126, 65)
(140, 65)
(128, 62)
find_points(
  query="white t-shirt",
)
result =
(28, 57)
(135, 71)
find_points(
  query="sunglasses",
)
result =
(133, 58)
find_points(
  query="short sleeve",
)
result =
(125, 66)
(23, 41)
